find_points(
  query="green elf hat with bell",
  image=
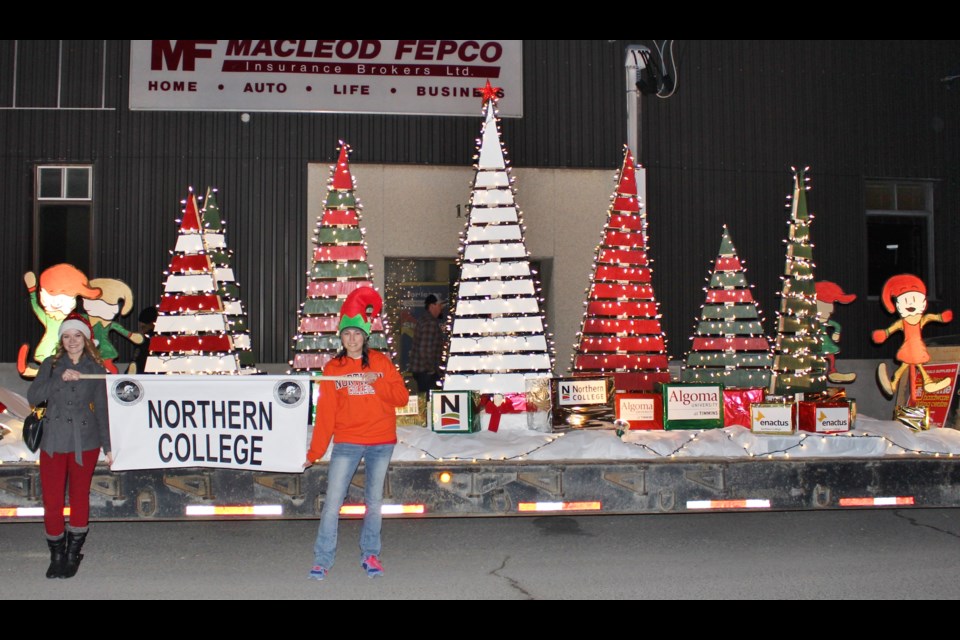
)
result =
(359, 309)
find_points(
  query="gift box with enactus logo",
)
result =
(827, 411)
(775, 416)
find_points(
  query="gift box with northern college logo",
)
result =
(692, 406)
(452, 412)
(580, 402)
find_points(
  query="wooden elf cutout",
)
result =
(907, 295)
(828, 294)
(103, 310)
(59, 287)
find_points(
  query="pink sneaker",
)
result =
(372, 566)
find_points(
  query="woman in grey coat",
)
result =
(75, 428)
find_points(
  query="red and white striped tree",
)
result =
(621, 333)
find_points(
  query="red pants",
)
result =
(55, 472)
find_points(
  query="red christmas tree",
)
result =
(621, 332)
(201, 326)
(729, 346)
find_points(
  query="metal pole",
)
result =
(633, 65)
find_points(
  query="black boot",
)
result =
(58, 553)
(74, 545)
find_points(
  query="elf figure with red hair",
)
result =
(828, 294)
(907, 295)
(59, 287)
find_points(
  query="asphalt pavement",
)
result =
(873, 554)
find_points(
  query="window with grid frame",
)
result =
(899, 216)
(63, 217)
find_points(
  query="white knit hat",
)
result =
(76, 322)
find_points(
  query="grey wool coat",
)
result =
(76, 418)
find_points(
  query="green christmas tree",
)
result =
(339, 267)
(228, 289)
(798, 366)
(729, 346)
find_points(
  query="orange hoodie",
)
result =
(357, 412)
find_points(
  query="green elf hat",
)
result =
(359, 309)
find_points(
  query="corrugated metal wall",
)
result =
(718, 152)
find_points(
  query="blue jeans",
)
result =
(344, 460)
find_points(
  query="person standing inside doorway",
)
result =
(426, 352)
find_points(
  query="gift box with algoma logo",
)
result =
(640, 410)
(692, 406)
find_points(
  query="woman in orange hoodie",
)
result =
(358, 411)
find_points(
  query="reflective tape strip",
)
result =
(387, 509)
(27, 512)
(560, 506)
(234, 510)
(876, 502)
(728, 504)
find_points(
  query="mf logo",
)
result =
(169, 54)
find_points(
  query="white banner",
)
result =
(253, 423)
(425, 77)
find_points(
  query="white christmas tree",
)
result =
(201, 327)
(498, 335)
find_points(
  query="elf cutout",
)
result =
(828, 294)
(907, 294)
(102, 311)
(59, 287)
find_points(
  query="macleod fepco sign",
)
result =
(426, 77)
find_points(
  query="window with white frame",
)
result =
(63, 216)
(899, 232)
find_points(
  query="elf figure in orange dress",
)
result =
(907, 294)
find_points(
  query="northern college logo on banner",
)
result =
(255, 423)
(582, 392)
(438, 77)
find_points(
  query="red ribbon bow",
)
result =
(498, 404)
